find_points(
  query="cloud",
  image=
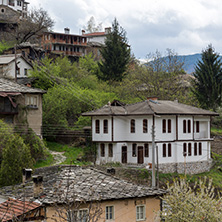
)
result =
(186, 26)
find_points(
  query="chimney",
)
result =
(154, 98)
(83, 32)
(107, 30)
(37, 185)
(26, 175)
(67, 30)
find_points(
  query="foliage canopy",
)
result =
(207, 86)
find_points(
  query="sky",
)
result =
(184, 26)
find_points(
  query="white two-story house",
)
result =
(123, 133)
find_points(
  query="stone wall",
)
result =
(216, 145)
(189, 168)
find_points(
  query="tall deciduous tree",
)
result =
(115, 54)
(208, 84)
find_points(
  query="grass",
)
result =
(73, 155)
(216, 131)
(45, 162)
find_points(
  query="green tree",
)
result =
(207, 86)
(184, 204)
(15, 155)
(115, 54)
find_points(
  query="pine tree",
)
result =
(208, 83)
(115, 54)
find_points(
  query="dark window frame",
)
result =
(145, 126)
(134, 149)
(195, 149)
(97, 126)
(189, 149)
(146, 150)
(169, 150)
(102, 150)
(184, 149)
(110, 150)
(184, 126)
(164, 150)
(200, 149)
(169, 126)
(164, 125)
(189, 126)
(105, 126)
(197, 126)
(132, 126)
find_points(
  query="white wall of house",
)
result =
(9, 70)
(99, 39)
(123, 137)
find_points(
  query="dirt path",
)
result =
(58, 157)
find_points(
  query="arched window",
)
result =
(169, 125)
(164, 150)
(184, 149)
(102, 150)
(200, 149)
(169, 150)
(189, 149)
(146, 147)
(145, 126)
(105, 126)
(110, 150)
(97, 126)
(164, 125)
(197, 126)
(132, 125)
(189, 126)
(195, 149)
(184, 126)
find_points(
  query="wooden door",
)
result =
(140, 156)
(124, 154)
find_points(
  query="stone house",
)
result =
(123, 133)
(21, 105)
(72, 193)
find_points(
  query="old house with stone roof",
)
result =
(72, 193)
(21, 105)
(123, 133)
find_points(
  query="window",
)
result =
(32, 101)
(17, 71)
(140, 213)
(189, 126)
(109, 212)
(105, 126)
(25, 72)
(83, 215)
(19, 3)
(195, 149)
(146, 147)
(169, 150)
(134, 150)
(184, 126)
(164, 150)
(200, 149)
(145, 126)
(164, 125)
(197, 126)
(184, 149)
(169, 125)
(132, 125)
(97, 126)
(189, 149)
(110, 150)
(102, 150)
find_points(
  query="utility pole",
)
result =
(157, 168)
(153, 158)
(15, 63)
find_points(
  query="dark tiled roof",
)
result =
(12, 209)
(95, 34)
(68, 183)
(150, 107)
(11, 86)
